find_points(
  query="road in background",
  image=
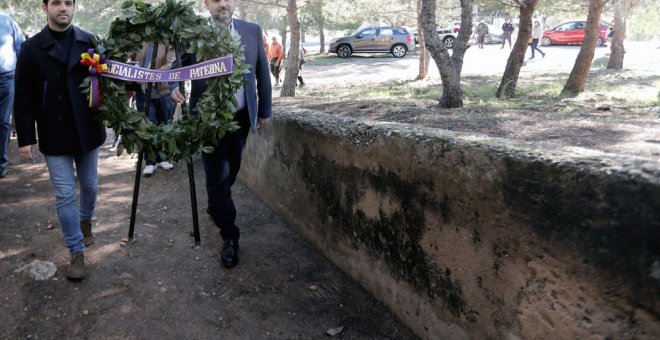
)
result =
(490, 61)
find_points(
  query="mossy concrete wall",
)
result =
(468, 236)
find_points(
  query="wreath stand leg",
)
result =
(193, 203)
(138, 167)
(138, 175)
(136, 186)
(191, 170)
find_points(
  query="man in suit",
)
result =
(254, 110)
(48, 78)
(11, 39)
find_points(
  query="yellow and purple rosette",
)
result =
(97, 64)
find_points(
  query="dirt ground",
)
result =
(162, 286)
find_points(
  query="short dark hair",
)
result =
(46, 2)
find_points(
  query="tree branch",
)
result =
(266, 3)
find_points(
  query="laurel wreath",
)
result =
(175, 24)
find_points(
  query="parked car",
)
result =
(448, 36)
(385, 39)
(413, 32)
(571, 32)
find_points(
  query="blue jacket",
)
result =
(11, 38)
(258, 91)
(48, 93)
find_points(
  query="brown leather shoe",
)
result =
(88, 236)
(76, 270)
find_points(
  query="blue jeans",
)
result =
(161, 111)
(6, 101)
(64, 182)
(535, 43)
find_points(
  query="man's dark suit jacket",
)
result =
(46, 75)
(258, 96)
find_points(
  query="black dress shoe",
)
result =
(229, 254)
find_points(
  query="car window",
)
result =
(369, 32)
(566, 27)
(386, 32)
(579, 25)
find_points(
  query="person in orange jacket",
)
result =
(276, 56)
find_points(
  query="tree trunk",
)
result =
(283, 32)
(461, 45)
(617, 50)
(578, 77)
(321, 39)
(424, 56)
(509, 82)
(293, 56)
(449, 66)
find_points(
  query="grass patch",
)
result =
(539, 94)
(396, 93)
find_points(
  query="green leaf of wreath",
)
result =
(173, 23)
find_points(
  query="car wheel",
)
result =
(599, 42)
(488, 39)
(546, 41)
(399, 51)
(343, 51)
(448, 41)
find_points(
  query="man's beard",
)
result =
(61, 23)
(221, 16)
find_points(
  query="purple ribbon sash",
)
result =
(208, 69)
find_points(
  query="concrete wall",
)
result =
(471, 237)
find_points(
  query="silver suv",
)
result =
(382, 39)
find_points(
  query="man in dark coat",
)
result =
(507, 31)
(48, 94)
(254, 109)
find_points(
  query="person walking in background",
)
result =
(48, 79)
(507, 31)
(11, 38)
(482, 30)
(537, 34)
(303, 53)
(276, 56)
(253, 111)
(161, 106)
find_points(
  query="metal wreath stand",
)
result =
(191, 171)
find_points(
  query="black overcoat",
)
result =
(48, 93)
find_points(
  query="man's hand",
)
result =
(262, 122)
(177, 96)
(27, 152)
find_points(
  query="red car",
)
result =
(571, 32)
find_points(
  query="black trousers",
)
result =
(221, 168)
(275, 69)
